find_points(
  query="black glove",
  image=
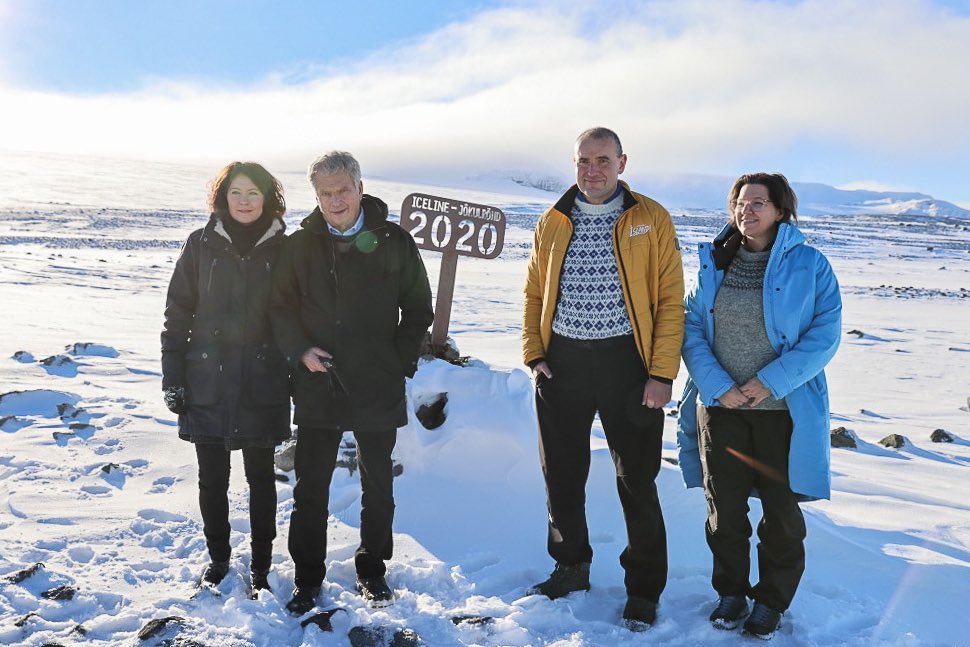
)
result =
(175, 399)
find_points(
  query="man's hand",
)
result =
(314, 359)
(733, 398)
(754, 391)
(656, 394)
(175, 399)
(541, 369)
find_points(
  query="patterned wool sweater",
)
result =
(591, 304)
(741, 343)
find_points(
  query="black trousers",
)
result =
(742, 450)
(214, 462)
(316, 457)
(607, 377)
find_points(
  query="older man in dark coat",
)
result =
(350, 306)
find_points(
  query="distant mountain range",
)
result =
(710, 191)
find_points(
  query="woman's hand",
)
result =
(733, 398)
(754, 391)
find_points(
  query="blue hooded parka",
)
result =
(803, 319)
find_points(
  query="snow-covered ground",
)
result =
(98, 488)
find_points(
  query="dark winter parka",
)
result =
(217, 341)
(368, 303)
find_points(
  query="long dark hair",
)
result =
(779, 192)
(273, 203)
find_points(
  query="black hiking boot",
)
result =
(260, 580)
(304, 598)
(730, 610)
(563, 580)
(375, 591)
(214, 573)
(639, 613)
(762, 622)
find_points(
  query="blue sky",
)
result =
(848, 92)
(90, 46)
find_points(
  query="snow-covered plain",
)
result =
(98, 488)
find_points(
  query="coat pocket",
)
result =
(203, 374)
(269, 378)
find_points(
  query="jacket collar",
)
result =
(215, 233)
(375, 216)
(565, 204)
(728, 240)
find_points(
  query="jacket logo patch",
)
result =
(639, 230)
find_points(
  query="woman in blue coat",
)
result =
(762, 321)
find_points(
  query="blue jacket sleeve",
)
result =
(816, 345)
(711, 379)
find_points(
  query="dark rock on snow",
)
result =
(857, 333)
(23, 574)
(156, 625)
(321, 619)
(286, 455)
(20, 622)
(66, 410)
(842, 437)
(894, 441)
(472, 620)
(57, 360)
(377, 637)
(431, 412)
(63, 592)
(448, 352)
(941, 436)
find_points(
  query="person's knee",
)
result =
(213, 480)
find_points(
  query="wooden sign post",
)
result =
(454, 228)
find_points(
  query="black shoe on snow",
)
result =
(639, 613)
(375, 591)
(762, 622)
(563, 580)
(730, 610)
(214, 573)
(260, 580)
(304, 598)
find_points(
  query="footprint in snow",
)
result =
(162, 484)
(114, 475)
(91, 350)
(10, 424)
(60, 365)
(43, 403)
(96, 490)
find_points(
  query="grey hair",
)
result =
(601, 133)
(334, 162)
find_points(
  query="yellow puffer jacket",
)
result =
(648, 258)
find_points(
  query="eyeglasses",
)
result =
(756, 205)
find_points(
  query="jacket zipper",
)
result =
(212, 269)
(624, 285)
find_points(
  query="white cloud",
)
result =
(689, 86)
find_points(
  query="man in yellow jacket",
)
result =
(602, 331)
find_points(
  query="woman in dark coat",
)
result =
(222, 372)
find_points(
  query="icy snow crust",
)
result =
(98, 488)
